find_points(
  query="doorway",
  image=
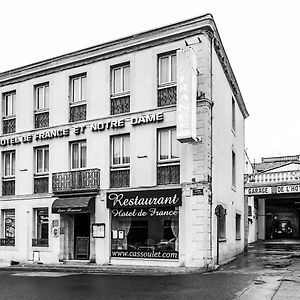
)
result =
(81, 236)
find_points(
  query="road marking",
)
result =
(42, 274)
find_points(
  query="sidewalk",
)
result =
(103, 269)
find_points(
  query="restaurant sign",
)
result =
(144, 212)
(144, 199)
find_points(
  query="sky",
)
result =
(261, 39)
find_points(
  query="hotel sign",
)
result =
(252, 191)
(186, 95)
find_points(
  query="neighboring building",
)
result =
(120, 153)
(275, 187)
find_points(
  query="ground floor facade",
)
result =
(171, 226)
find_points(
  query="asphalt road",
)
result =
(50, 285)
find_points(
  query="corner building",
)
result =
(120, 153)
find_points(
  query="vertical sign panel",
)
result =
(186, 91)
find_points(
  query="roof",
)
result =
(170, 33)
(270, 163)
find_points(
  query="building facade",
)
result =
(120, 153)
(275, 190)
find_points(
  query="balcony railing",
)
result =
(167, 96)
(119, 178)
(119, 105)
(168, 174)
(7, 242)
(40, 242)
(273, 177)
(77, 112)
(41, 184)
(9, 125)
(41, 119)
(8, 187)
(76, 181)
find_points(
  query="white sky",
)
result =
(261, 38)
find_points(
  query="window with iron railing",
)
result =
(168, 164)
(78, 98)
(41, 176)
(167, 79)
(9, 116)
(120, 161)
(120, 89)
(41, 112)
(8, 179)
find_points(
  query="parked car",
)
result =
(283, 229)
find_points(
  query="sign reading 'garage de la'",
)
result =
(148, 198)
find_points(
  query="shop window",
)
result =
(41, 176)
(237, 226)
(249, 211)
(8, 228)
(120, 161)
(149, 233)
(41, 227)
(233, 169)
(78, 155)
(41, 112)
(9, 117)
(168, 165)
(8, 179)
(78, 97)
(167, 73)
(120, 89)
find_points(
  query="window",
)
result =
(222, 227)
(9, 104)
(8, 180)
(120, 161)
(9, 119)
(78, 97)
(233, 168)
(41, 177)
(41, 228)
(120, 89)
(8, 228)
(120, 79)
(167, 65)
(168, 167)
(249, 211)
(167, 76)
(78, 155)
(237, 226)
(78, 88)
(42, 96)
(233, 113)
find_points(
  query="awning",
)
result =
(74, 205)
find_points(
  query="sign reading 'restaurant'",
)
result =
(149, 198)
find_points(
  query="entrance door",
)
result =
(81, 236)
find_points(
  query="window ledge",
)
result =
(119, 95)
(238, 239)
(167, 85)
(222, 240)
(77, 103)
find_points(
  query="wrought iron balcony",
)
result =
(7, 242)
(41, 119)
(87, 180)
(8, 186)
(40, 242)
(167, 96)
(41, 184)
(77, 112)
(168, 174)
(119, 105)
(119, 178)
(9, 125)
